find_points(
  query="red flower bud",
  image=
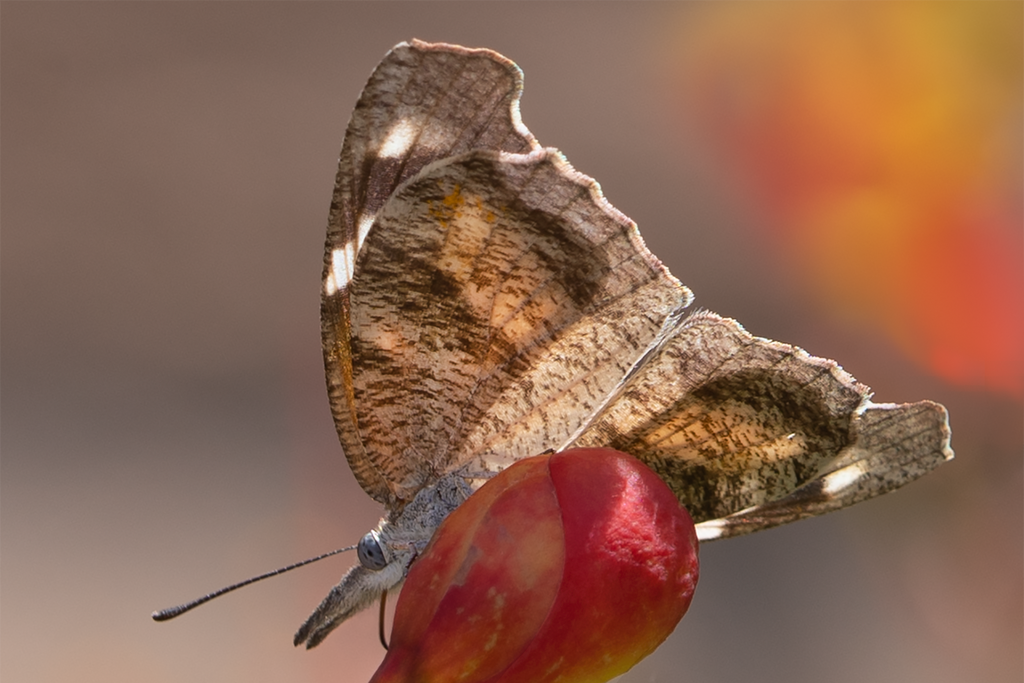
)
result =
(565, 567)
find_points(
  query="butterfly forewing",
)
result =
(414, 110)
(498, 301)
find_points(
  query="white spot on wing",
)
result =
(398, 140)
(835, 482)
(711, 529)
(365, 223)
(342, 268)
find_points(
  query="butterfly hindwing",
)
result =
(737, 423)
(892, 445)
(497, 302)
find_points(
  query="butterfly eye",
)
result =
(371, 554)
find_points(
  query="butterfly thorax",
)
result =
(404, 534)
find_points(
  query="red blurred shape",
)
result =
(571, 567)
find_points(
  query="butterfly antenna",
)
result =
(171, 612)
(380, 627)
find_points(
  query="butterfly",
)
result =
(483, 303)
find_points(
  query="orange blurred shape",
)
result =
(883, 141)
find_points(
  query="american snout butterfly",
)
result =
(482, 303)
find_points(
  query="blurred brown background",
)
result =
(166, 174)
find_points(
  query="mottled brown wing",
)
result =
(497, 302)
(423, 102)
(738, 424)
(890, 445)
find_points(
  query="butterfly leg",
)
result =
(476, 475)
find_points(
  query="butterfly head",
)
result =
(385, 555)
